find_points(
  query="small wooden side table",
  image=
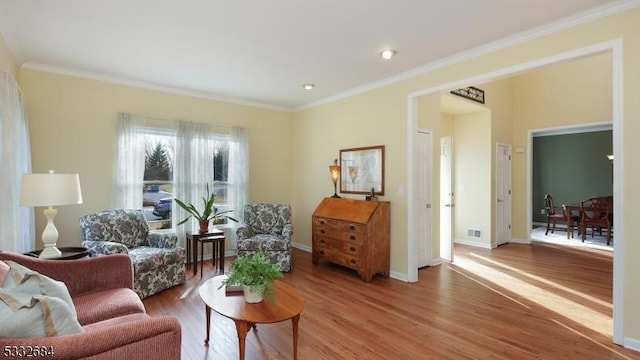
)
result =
(216, 237)
(288, 306)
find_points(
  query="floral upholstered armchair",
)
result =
(267, 227)
(158, 263)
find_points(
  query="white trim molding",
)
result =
(616, 48)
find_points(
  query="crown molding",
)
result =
(515, 39)
(147, 85)
(509, 41)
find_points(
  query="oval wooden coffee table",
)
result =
(288, 305)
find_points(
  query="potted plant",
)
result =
(256, 276)
(208, 213)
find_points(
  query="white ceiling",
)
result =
(261, 52)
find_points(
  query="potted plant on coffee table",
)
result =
(209, 211)
(256, 275)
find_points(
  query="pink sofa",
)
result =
(114, 322)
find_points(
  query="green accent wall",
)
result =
(571, 168)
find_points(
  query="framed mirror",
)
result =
(362, 169)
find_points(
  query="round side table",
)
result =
(68, 253)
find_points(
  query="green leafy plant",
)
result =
(256, 272)
(209, 211)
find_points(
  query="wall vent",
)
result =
(475, 233)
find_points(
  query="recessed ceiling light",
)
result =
(387, 54)
(308, 86)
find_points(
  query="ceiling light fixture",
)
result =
(308, 86)
(387, 54)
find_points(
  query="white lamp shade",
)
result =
(50, 189)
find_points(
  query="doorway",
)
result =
(447, 199)
(424, 142)
(615, 48)
(503, 194)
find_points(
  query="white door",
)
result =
(447, 202)
(503, 194)
(424, 143)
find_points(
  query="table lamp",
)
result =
(334, 171)
(50, 190)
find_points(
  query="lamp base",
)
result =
(50, 236)
(50, 252)
(335, 191)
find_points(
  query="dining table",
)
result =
(572, 210)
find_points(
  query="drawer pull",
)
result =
(352, 227)
(321, 231)
(321, 252)
(321, 222)
(353, 261)
(352, 249)
(322, 241)
(352, 237)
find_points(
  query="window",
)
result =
(179, 159)
(221, 175)
(157, 189)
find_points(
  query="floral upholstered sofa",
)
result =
(267, 227)
(158, 263)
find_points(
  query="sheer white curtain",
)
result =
(238, 191)
(193, 168)
(17, 224)
(128, 169)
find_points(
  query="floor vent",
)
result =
(475, 233)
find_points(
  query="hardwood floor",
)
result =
(539, 301)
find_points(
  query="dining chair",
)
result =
(553, 215)
(573, 220)
(596, 214)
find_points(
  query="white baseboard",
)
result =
(398, 276)
(633, 344)
(437, 262)
(472, 243)
(301, 247)
(392, 274)
(521, 241)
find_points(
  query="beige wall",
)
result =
(318, 136)
(472, 177)
(500, 101)
(567, 94)
(379, 116)
(73, 129)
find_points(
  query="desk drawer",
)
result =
(337, 257)
(338, 245)
(354, 233)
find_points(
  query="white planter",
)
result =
(250, 296)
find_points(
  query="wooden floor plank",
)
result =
(539, 301)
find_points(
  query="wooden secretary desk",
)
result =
(353, 233)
